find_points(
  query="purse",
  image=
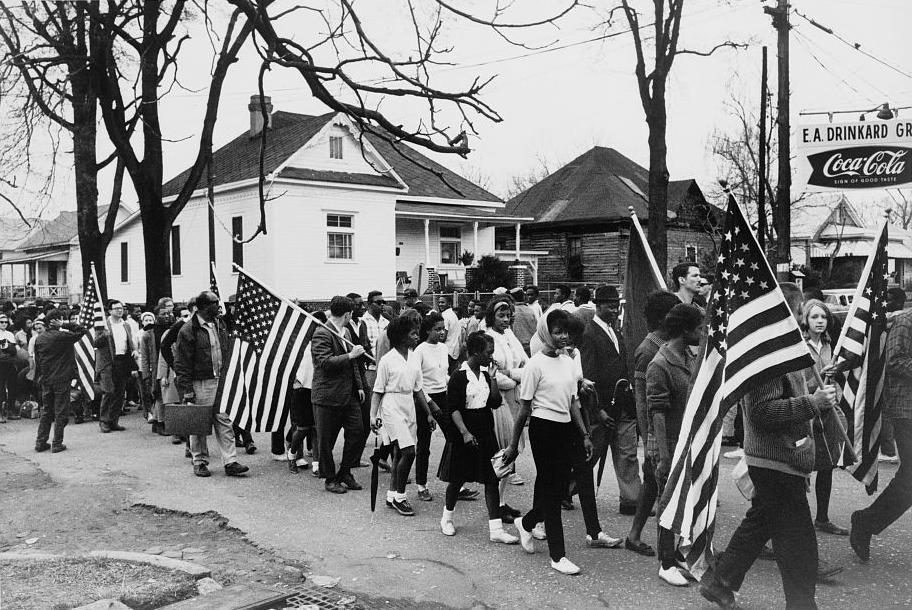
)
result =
(500, 469)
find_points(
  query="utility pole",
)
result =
(210, 207)
(782, 211)
(761, 191)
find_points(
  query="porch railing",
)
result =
(41, 291)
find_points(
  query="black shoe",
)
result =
(334, 487)
(467, 494)
(250, 448)
(116, 427)
(639, 547)
(293, 466)
(188, 454)
(567, 504)
(509, 509)
(860, 541)
(201, 470)
(176, 440)
(78, 419)
(104, 427)
(238, 442)
(385, 467)
(404, 508)
(58, 447)
(825, 570)
(40, 447)
(828, 527)
(235, 470)
(628, 509)
(505, 515)
(349, 481)
(716, 592)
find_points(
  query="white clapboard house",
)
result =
(339, 218)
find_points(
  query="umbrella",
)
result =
(375, 474)
(603, 458)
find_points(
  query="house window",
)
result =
(690, 253)
(335, 147)
(175, 250)
(124, 261)
(237, 248)
(450, 245)
(340, 237)
(575, 258)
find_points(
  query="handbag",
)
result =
(500, 469)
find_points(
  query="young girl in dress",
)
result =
(550, 402)
(397, 391)
(432, 358)
(472, 397)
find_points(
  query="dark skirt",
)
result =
(461, 463)
(300, 408)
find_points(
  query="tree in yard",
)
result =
(652, 83)
(47, 82)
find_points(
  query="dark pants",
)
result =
(665, 540)
(585, 487)
(56, 399)
(552, 450)
(649, 492)
(112, 402)
(896, 498)
(329, 420)
(8, 377)
(779, 511)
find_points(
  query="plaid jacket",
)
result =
(898, 398)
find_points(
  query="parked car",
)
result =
(838, 299)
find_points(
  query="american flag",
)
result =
(752, 338)
(91, 316)
(213, 280)
(266, 351)
(863, 342)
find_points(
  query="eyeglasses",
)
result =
(4, 321)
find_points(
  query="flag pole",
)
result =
(652, 261)
(294, 305)
(104, 310)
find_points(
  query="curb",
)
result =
(194, 570)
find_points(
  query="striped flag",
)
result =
(91, 316)
(213, 280)
(863, 342)
(752, 338)
(641, 278)
(266, 351)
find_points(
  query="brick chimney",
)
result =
(256, 117)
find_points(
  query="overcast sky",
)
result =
(559, 103)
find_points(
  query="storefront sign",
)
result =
(863, 155)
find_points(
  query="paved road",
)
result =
(387, 555)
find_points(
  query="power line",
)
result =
(852, 73)
(803, 41)
(854, 45)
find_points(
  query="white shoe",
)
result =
(525, 538)
(888, 459)
(565, 566)
(673, 576)
(735, 454)
(302, 463)
(515, 479)
(448, 528)
(280, 457)
(603, 541)
(539, 533)
(504, 537)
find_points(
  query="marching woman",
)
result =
(667, 387)
(509, 360)
(816, 321)
(432, 358)
(548, 398)
(397, 392)
(472, 398)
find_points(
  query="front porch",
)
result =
(42, 275)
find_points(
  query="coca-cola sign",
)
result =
(861, 167)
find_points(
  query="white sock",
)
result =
(390, 495)
(494, 526)
(447, 515)
(422, 487)
(400, 497)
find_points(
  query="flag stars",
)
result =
(749, 280)
(745, 247)
(764, 285)
(740, 262)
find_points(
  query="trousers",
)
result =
(112, 402)
(896, 498)
(224, 432)
(329, 421)
(56, 399)
(779, 511)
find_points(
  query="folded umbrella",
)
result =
(375, 474)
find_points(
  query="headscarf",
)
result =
(543, 336)
(146, 318)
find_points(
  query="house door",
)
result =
(52, 273)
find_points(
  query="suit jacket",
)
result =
(604, 365)
(359, 333)
(104, 356)
(336, 378)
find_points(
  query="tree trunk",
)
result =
(658, 177)
(156, 227)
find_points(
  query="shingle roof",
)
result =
(239, 160)
(56, 231)
(601, 184)
(301, 173)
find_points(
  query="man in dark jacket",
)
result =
(337, 395)
(199, 361)
(605, 363)
(55, 369)
(115, 350)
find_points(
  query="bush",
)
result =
(490, 273)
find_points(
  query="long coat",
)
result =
(605, 366)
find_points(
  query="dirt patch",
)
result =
(68, 583)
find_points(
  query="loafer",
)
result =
(57, 448)
(403, 507)
(828, 527)
(104, 427)
(116, 428)
(349, 481)
(673, 576)
(250, 448)
(383, 465)
(235, 470)
(713, 590)
(334, 487)
(176, 440)
(639, 547)
(826, 570)
(603, 541)
(201, 470)
(41, 447)
(425, 495)
(858, 539)
(565, 566)
(465, 494)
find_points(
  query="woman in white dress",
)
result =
(397, 393)
(509, 360)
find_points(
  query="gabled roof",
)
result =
(13, 231)
(238, 160)
(56, 231)
(601, 184)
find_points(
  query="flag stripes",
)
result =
(91, 316)
(265, 354)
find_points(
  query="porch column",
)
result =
(475, 236)
(517, 240)
(427, 242)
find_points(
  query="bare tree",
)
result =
(652, 84)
